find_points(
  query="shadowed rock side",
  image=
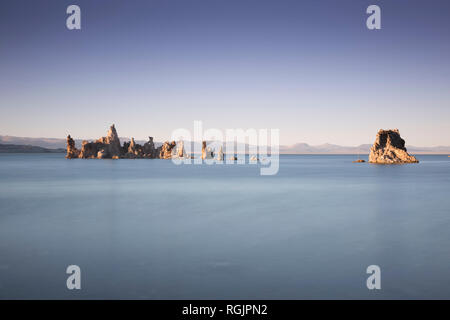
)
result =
(72, 152)
(109, 148)
(389, 148)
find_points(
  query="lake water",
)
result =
(148, 229)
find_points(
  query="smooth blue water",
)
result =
(150, 229)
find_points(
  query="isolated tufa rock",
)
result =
(72, 152)
(389, 148)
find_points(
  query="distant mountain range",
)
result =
(304, 148)
(53, 144)
(14, 148)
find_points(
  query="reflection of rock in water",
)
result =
(389, 148)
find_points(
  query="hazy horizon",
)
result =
(311, 69)
(168, 138)
(55, 143)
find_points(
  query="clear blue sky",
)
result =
(310, 68)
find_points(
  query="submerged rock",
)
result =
(389, 148)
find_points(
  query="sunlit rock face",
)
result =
(389, 148)
(93, 150)
(180, 152)
(165, 151)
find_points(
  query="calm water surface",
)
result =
(148, 229)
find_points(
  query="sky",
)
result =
(309, 68)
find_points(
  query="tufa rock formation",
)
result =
(149, 148)
(109, 148)
(207, 153)
(104, 148)
(113, 142)
(220, 154)
(389, 148)
(72, 152)
(165, 151)
(181, 153)
(203, 150)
